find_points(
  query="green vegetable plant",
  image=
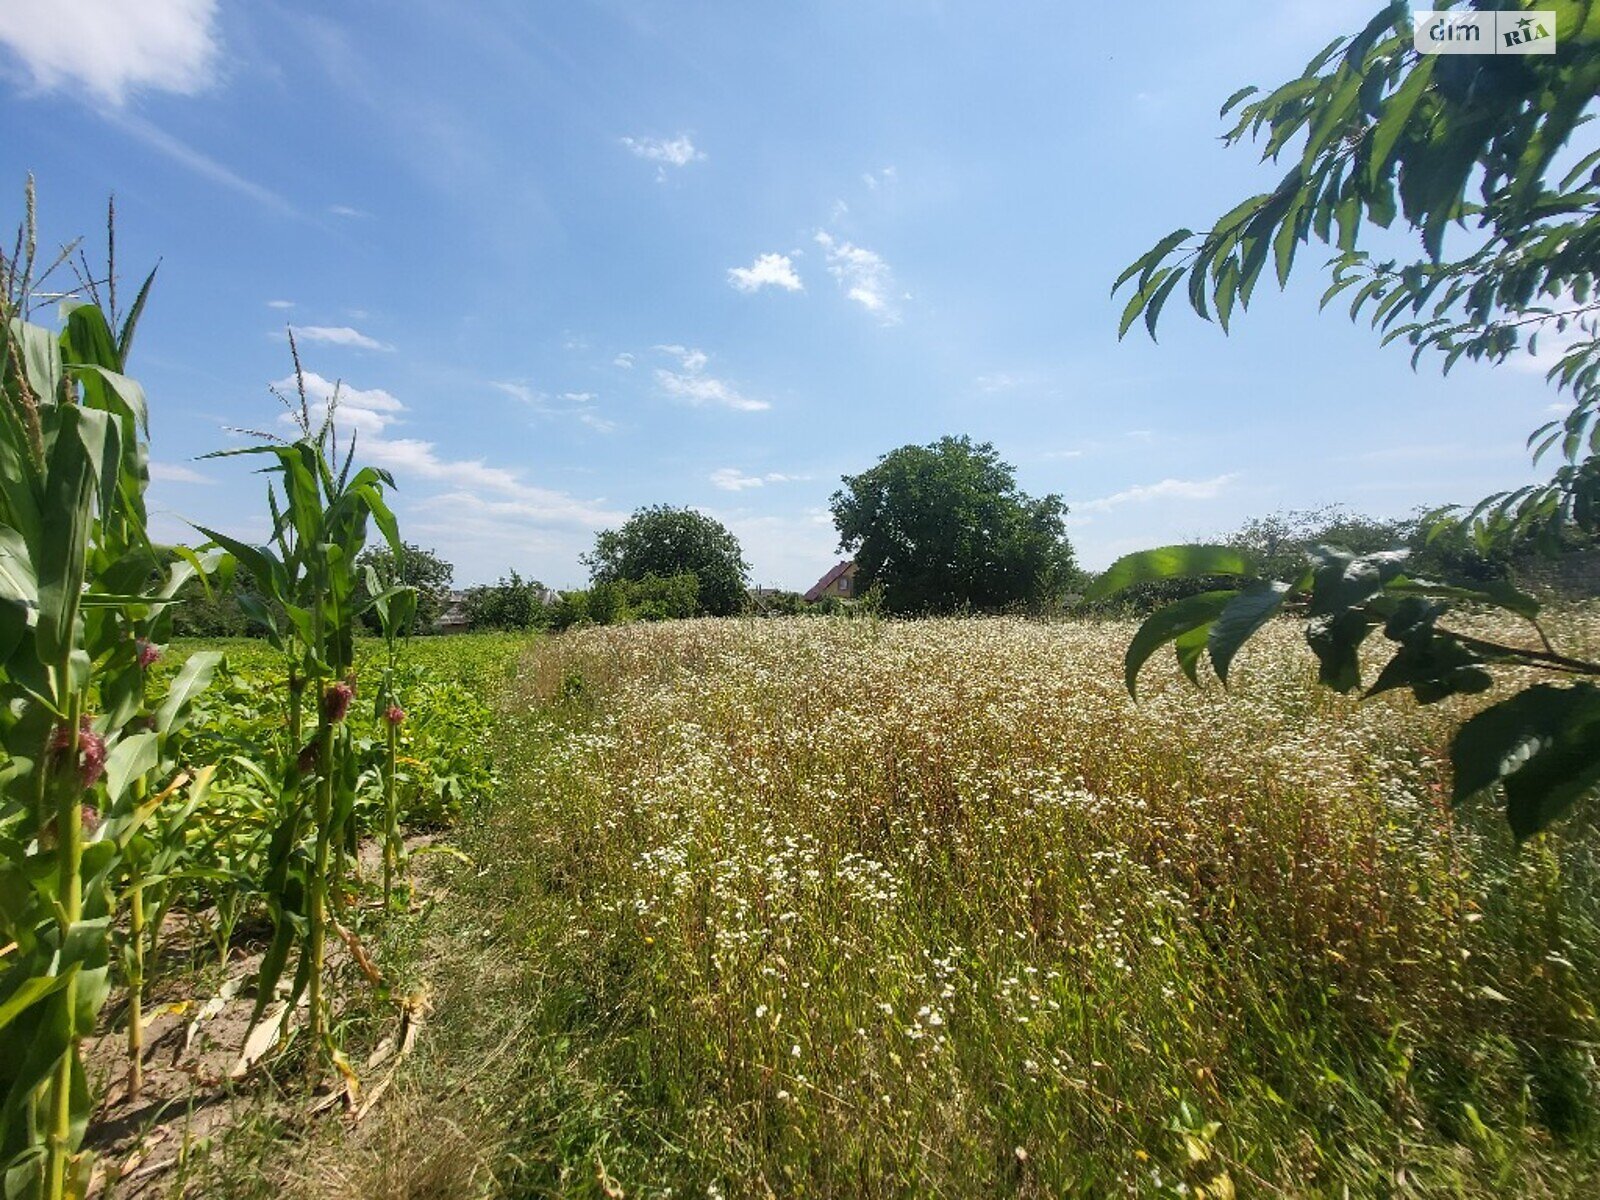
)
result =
(309, 609)
(84, 596)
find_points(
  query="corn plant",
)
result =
(83, 593)
(320, 508)
(396, 609)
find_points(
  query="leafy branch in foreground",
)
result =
(1541, 747)
(1373, 132)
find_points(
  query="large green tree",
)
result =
(1488, 161)
(415, 568)
(944, 527)
(664, 541)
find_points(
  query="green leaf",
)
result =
(1495, 591)
(17, 580)
(1227, 105)
(192, 679)
(1247, 612)
(85, 441)
(1166, 624)
(41, 358)
(1336, 641)
(129, 759)
(1169, 562)
(1542, 746)
(31, 992)
(1386, 132)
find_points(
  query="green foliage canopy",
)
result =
(664, 541)
(943, 528)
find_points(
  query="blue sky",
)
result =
(570, 259)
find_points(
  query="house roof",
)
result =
(828, 580)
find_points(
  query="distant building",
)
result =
(840, 582)
(453, 616)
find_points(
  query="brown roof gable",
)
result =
(827, 581)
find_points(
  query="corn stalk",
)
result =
(80, 586)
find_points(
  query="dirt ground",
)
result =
(205, 1068)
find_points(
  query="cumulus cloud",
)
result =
(339, 335)
(863, 276)
(692, 385)
(731, 479)
(112, 48)
(1167, 489)
(623, 360)
(774, 270)
(368, 411)
(665, 152)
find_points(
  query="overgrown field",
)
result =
(850, 908)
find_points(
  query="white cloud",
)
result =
(691, 384)
(579, 397)
(597, 423)
(879, 179)
(280, 303)
(176, 473)
(768, 269)
(692, 360)
(486, 517)
(114, 47)
(344, 210)
(520, 390)
(863, 275)
(674, 152)
(1000, 381)
(731, 479)
(338, 335)
(369, 411)
(1167, 489)
(1055, 454)
(623, 360)
(665, 152)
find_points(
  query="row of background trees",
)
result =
(941, 528)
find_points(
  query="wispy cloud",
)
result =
(344, 210)
(692, 385)
(339, 335)
(577, 405)
(201, 164)
(111, 48)
(176, 473)
(1167, 489)
(665, 152)
(731, 479)
(877, 179)
(623, 360)
(280, 303)
(863, 276)
(768, 270)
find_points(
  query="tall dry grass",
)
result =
(849, 908)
